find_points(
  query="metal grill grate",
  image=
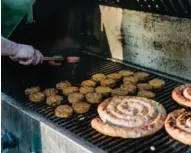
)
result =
(80, 124)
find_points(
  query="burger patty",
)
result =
(85, 90)
(108, 83)
(63, 111)
(98, 77)
(76, 97)
(157, 83)
(37, 97)
(130, 79)
(68, 90)
(146, 94)
(141, 76)
(54, 100)
(115, 76)
(119, 92)
(88, 83)
(50, 92)
(81, 107)
(126, 73)
(105, 91)
(63, 84)
(94, 97)
(130, 88)
(144, 86)
(32, 90)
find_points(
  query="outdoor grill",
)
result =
(79, 125)
(34, 126)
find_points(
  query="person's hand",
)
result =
(27, 55)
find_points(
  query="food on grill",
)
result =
(178, 125)
(105, 91)
(119, 92)
(131, 88)
(73, 59)
(146, 94)
(69, 90)
(32, 90)
(115, 76)
(157, 83)
(63, 111)
(98, 77)
(93, 97)
(182, 95)
(63, 84)
(76, 97)
(144, 86)
(129, 117)
(37, 97)
(130, 79)
(54, 100)
(50, 92)
(108, 83)
(88, 83)
(142, 76)
(54, 63)
(81, 107)
(85, 90)
(126, 73)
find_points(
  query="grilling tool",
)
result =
(53, 58)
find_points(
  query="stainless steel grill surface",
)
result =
(17, 78)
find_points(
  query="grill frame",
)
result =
(75, 134)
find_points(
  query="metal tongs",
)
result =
(58, 60)
(54, 58)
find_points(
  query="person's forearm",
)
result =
(8, 48)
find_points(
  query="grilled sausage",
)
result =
(123, 116)
(178, 125)
(178, 94)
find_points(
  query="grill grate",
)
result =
(80, 124)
